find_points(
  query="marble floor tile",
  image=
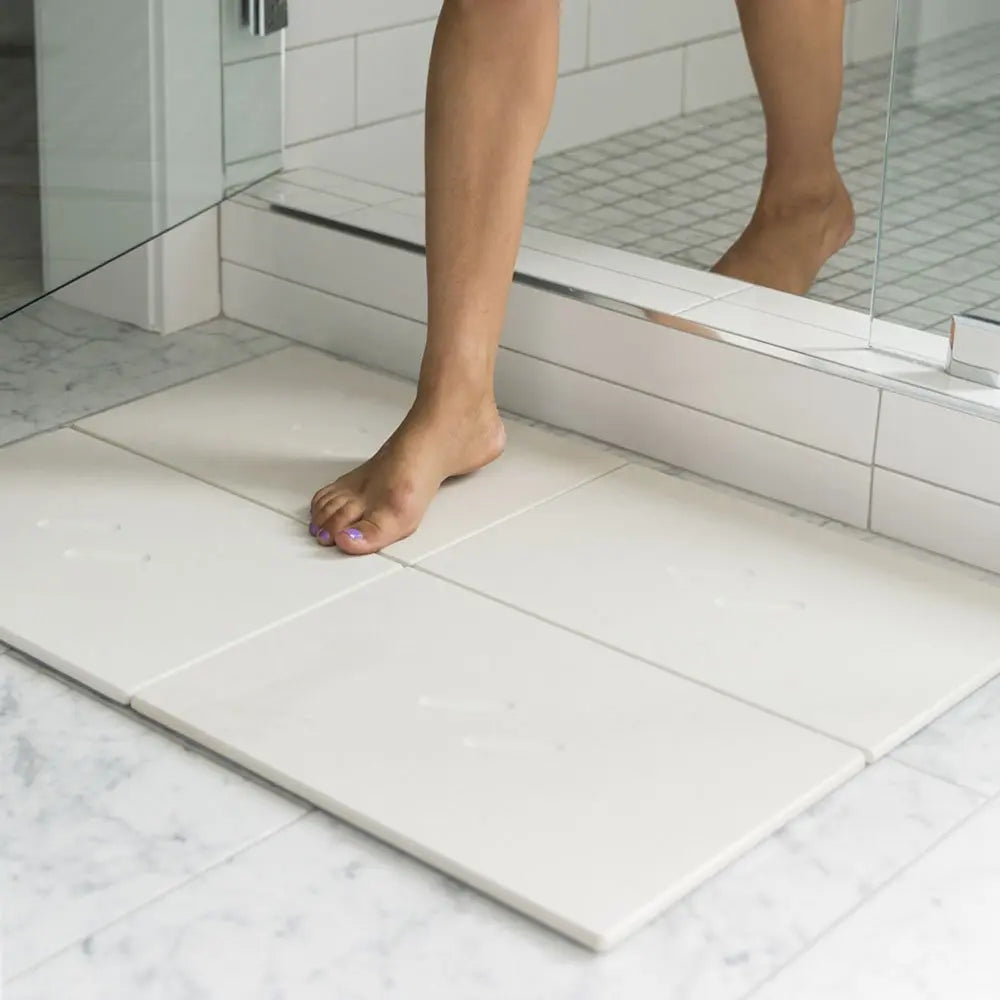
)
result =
(116, 570)
(101, 814)
(931, 934)
(277, 429)
(320, 910)
(962, 746)
(58, 363)
(586, 789)
(851, 639)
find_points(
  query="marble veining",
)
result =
(101, 813)
(58, 363)
(962, 746)
(930, 934)
(319, 910)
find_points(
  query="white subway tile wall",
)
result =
(356, 106)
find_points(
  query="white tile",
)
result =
(871, 30)
(316, 20)
(319, 90)
(770, 328)
(252, 112)
(322, 258)
(939, 444)
(104, 814)
(711, 286)
(573, 29)
(388, 153)
(278, 191)
(938, 519)
(620, 29)
(742, 598)
(277, 432)
(616, 284)
(609, 284)
(386, 221)
(792, 401)
(523, 770)
(930, 934)
(114, 541)
(849, 322)
(359, 333)
(392, 71)
(337, 184)
(596, 103)
(716, 71)
(381, 910)
(908, 341)
(708, 445)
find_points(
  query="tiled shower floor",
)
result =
(178, 872)
(683, 190)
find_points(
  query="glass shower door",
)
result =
(141, 114)
(939, 252)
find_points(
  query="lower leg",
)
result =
(804, 213)
(490, 89)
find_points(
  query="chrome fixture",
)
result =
(974, 350)
(265, 17)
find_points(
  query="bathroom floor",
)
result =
(20, 212)
(683, 190)
(135, 858)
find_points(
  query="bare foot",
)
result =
(789, 239)
(385, 499)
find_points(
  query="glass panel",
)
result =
(940, 239)
(120, 120)
(656, 144)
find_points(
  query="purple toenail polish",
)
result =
(313, 530)
(353, 534)
(324, 536)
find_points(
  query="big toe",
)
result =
(371, 534)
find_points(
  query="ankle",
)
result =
(455, 384)
(454, 399)
(791, 192)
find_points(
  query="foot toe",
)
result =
(321, 513)
(369, 535)
(340, 518)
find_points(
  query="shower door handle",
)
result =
(265, 17)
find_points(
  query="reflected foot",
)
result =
(385, 499)
(790, 238)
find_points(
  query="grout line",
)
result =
(987, 796)
(642, 659)
(940, 486)
(871, 470)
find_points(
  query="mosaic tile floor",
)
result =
(684, 189)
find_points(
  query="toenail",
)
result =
(313, 530)
(353, 534)
(324, 536)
